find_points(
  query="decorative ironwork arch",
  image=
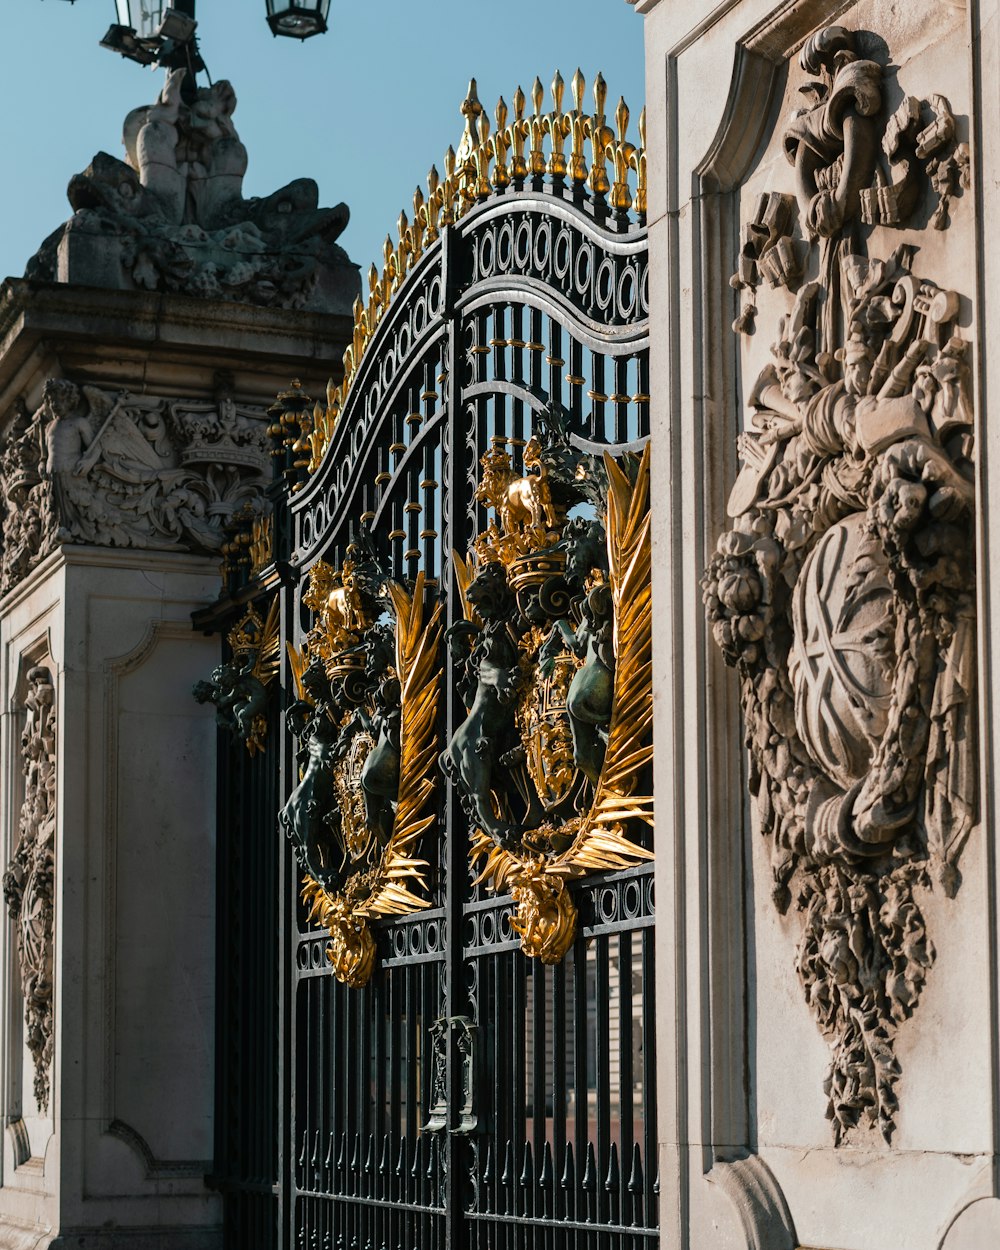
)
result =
(462, 525)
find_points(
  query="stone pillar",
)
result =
(823, 278)
(133, 417)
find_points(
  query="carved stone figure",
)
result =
(550, 756)
(28, 881)
(366, 725)
(844, 591)
(172, 216)
(125, 471)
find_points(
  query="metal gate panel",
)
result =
(461, 1093)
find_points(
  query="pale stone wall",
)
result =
(106, 554)
(748, 1155)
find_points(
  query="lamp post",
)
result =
(162, 32)
(299, 19)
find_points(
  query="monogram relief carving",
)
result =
(844, 590)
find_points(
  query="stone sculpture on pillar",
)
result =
(172, 217)
(28, 881)
(844, 591)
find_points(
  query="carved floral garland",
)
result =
(28, 881)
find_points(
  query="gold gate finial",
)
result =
(492, 163)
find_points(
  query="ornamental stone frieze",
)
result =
(122, 470)
(29, 879)
(172, 217)
(843, 591)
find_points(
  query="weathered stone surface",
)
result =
(767, 176)
(28, 883)
(125, 471)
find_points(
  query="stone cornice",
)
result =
(148, 326)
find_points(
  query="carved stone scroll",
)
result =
(125, 471)
(844, 591)
(28, 881)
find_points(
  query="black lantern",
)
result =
(297, 18)
(155, 32)
(151, 19)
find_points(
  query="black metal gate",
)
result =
(458, 1093)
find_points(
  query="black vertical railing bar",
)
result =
(519, 970)
(626, 1135)
(555, 361)
(455, 882)
(558, 982)
(538, 1053)
(517, 367)
(287, 914)
(602, 1034)
(597, 427)
(576, 382)
(621, 400)
(651, 1144)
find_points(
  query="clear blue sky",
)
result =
(364, 109)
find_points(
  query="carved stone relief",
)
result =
(172, 216)
(844, 591)
(125, 471)
(28, 881)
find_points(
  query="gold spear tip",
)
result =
(537, 95)
(578, 86)
(518, 103)
(558, 87)
(470, 105)
(621, 118)
(600, 93)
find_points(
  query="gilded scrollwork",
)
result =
(844, 591)
(366, 723)
(554, 665)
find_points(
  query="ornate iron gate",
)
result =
(460, 552)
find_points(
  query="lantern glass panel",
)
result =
(144, 16)
(298, 18)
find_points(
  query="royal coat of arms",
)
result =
(554, 662)
(843, 591)
(366, 724)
